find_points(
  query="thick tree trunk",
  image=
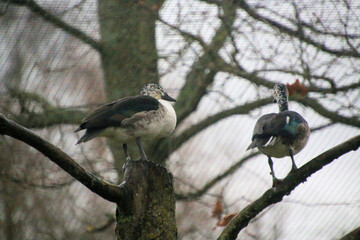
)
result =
(129, 56)
(129, 60)
(150, 213)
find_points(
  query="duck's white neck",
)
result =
(168, 107)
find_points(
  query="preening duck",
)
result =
(280, 134)
(148, 115)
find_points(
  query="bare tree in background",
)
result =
(251, 43)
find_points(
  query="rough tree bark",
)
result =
(151, 212)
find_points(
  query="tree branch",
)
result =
(238, 110)
(161, 148)
(26, 184)
(295, 33)
(49, 118)
(275, 195)
(333, 116)
(201, 75)
(221, 65)
(36, 8)
(333, 88)
(353, 235)
(104, 189)
(211, 183)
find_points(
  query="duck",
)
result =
(148, 115)
(282, 134)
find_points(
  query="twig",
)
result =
(199, 79)
(211, 183)
(36, 8)
(222, 65)
(3, 12)
(174, 143)
(334, 116)
(294, 33)
(25, 184)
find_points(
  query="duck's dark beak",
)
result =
(168, 98)
(274, 100)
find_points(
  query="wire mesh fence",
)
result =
(46, 69)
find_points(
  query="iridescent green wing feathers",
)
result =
(272, 125)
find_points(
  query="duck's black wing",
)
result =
(260, 133)
(272, 125)
(114, 113)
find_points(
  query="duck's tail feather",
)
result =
(252, 145)
(90, 134)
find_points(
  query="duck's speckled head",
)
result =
(156, 91)
(281, 96)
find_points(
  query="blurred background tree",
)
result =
(220, 60)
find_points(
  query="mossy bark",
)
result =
(129, 55)
(150, 213)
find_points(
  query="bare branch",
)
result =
(104, 189)
(333, 88)
(314, 129)
(46, 116)
(36, 8)
(211, 183)
(275, 195)
(26, 184)
(161, 148)
(49, 118)
(242, 109)
(3, 11)
(353, 235)
(333, 116)
(186, 34)
(311, 26)
(295, 33)
(221, 65)
(201, 74)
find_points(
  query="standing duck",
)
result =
(280, 134)
(148, 115)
